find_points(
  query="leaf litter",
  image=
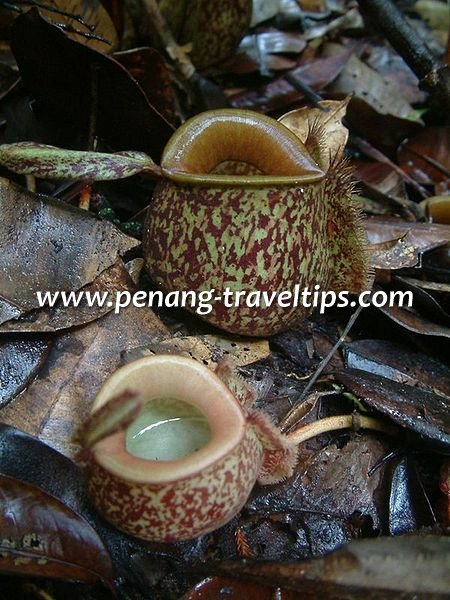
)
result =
(344, 493)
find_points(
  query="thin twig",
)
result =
(313, 97)
(372, 152)
(330, 355)
(434, 163)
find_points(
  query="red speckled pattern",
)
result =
(182, 509)
(215, 28)
(251, 239)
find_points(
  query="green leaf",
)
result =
(50, 162)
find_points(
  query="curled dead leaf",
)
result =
(328, 120)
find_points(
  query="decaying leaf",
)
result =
(396, 244)
(56, 405)
(70, 247)
(110, 282)
(20, 360)
(214, 588)
(49, 162)
(395, 362)
(279, 93)
(425, 156)
(414, 322)
(330, 485)
(210, 349)
(359, 79)
(42, 537)
(367, 569)
(424, 413)
(328, 121)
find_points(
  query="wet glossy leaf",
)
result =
(261, 47)
(424, 413)
(409, 508)
(222, 588)
(41, 536)
(72, 70)
(49, 162)
(398, 363)
(70, 246)
(20, 361)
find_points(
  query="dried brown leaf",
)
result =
(327, 121)
(70, 247)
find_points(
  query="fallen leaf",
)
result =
(279, 93)
(360, 80)
(95, 20)
(327, 121)
(149, 69)
(414, 322)
(210, 349)
(82, 310)
(409, 506)
(43, 537)
(388, 567)
(396, 362)
(331, 481)
(261, 46)
(426, 414)
(70, 247)
(215, 588)
(59, 402)
(379, 176)
(426, 156)
(9, 79)
(396, 244)
(20, 361)
(71, 69)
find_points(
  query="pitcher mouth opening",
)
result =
(219, 180)
(180, 397)
(274, 154)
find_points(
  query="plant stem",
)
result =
(328, 424)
